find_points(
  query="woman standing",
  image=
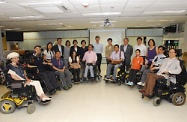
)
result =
(66, 53)
(108, 50)
(151, 51)
(74, 63)
(49, 52)
(83, 49)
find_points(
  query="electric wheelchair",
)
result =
(174, 93)
(18, 96)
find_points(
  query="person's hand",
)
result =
(50, 64)
(28, 80)
(62, 70)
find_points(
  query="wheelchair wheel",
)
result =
(7, 106)
(178, 99)
(156, 101)
(31, 108)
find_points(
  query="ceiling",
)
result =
(36, 15)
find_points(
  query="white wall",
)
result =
(1, 47)
(42, 38)
(117, 36)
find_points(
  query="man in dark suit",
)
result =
(128, 50)
(59, 47)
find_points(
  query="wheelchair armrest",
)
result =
(16, 84)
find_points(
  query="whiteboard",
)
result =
(117, 36)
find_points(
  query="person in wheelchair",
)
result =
(60, 70)
(90, 58)
(116, 59)
(36, 61)
(170, 65)
(155, 65)
(17, 73)
(74, 64)
(137, 61)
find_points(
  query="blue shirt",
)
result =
(98, 48)
(58, 63)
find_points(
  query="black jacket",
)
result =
(78, 50)
(55, 49)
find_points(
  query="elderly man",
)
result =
(116, 58)
(90, 57)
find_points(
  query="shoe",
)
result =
(58, 89)
(65, 88)
(129, 83)
(139, 83)
(45, 99)
(111, 79)
(70, 86)
(106, 78)
(132, 84)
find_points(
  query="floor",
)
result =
(99, 102)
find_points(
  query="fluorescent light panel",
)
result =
(27, 17)
(48, 9)
(40, 3)
(100, 14)
(164, 12)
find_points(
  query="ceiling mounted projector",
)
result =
(107, 23)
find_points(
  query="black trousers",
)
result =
(126, 65)
(99, 58)
(132, 75)
(76, 73)
(50, 79)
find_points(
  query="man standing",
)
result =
(59, 46)
(98, 49)
(141, 47)
(128, 50)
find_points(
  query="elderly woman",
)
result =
(17, 73)
(170, 65)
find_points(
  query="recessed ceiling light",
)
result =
(102, 13)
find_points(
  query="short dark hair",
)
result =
(116, 45)
(83, 41)
(59, 39)
(67, 42)
(57, 51)
(173, 49)
(97, 37)
(163, 48)
(91, 45)
(138, 50)
(75, 41)
(37, 46)
(126, 39)
(109, 39)
(152, 41)
(139, 38)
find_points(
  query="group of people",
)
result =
(62, 62)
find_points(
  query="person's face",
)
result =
(15, 60)
(97, 40)
(151, 43)
(137, 53)
(109, 42)
(74, 53)
(37, 50)
(59, 41)
(90, 48)
(49, 46)
(68, 43)
(58, 55)
(139, 41)
(125, 41)
(83, 43)
(172, 53)
(116, 48)
(75, 43)
(160, 51)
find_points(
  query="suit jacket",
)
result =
(173, 68)
(78, 50)
(55, 49)
(128, 53)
